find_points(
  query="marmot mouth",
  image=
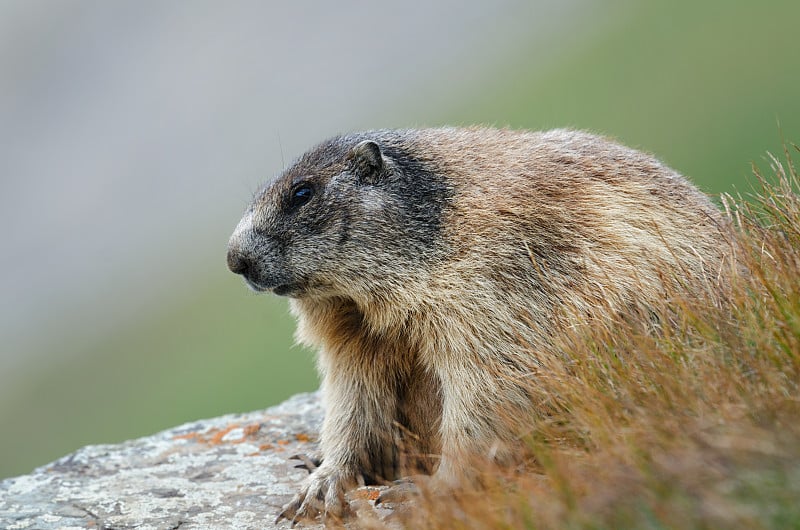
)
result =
(255, 286)
(282, 290)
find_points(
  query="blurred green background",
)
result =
(197, 103)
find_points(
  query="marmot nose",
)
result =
(238, 262)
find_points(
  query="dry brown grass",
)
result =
(695, 425)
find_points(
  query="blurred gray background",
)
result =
(132, 135)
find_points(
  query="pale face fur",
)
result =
(432, 269)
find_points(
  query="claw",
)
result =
(284, 515)
(306, 462)
(290, 510)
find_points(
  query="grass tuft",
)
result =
(695, 424)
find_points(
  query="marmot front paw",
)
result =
(322, 495)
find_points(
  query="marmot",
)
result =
(429, 268)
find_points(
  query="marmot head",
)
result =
(358, 215)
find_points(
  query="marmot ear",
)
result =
(367, 162)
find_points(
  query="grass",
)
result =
(695, 426)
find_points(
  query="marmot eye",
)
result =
(300, 195)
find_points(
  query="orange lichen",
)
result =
(369, 494)
(187, 436)
(216, 436)
(216, 439)
(250, 430)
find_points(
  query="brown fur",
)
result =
(538, 231)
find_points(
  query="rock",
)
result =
(228, 472)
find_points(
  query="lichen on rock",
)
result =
(228, 472)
